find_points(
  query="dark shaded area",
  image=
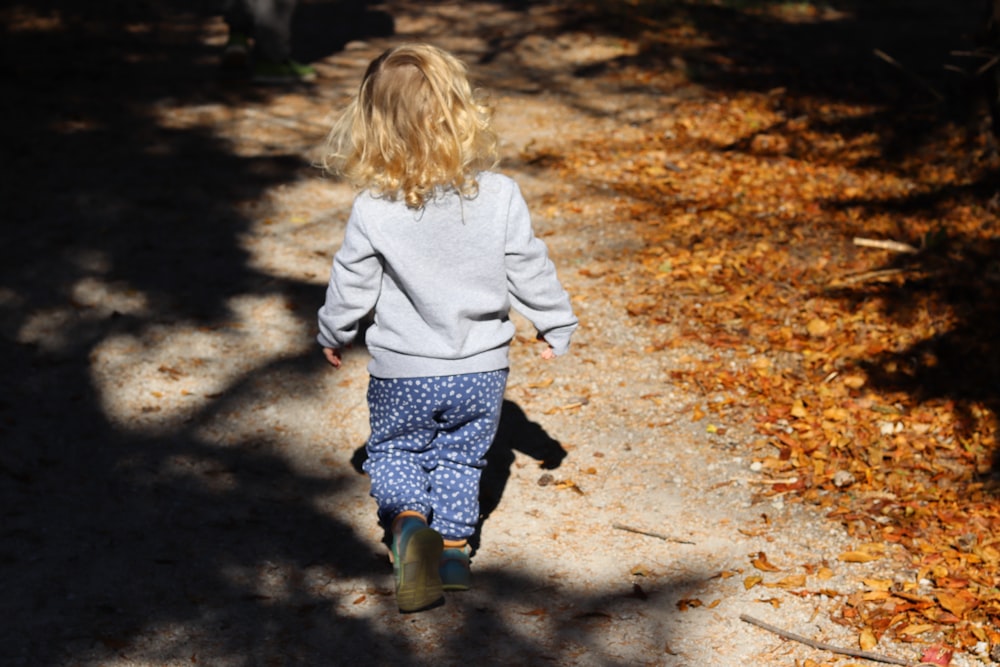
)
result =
(954, 280)
(517, 433)
(102, 531)
(109, 534)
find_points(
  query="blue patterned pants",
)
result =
(428, 444)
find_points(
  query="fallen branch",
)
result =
(895, 246)
(869, 275)
(647, 533)
(854, 653)
(895, 63)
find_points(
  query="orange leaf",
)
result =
(857, 557)
(761, 562)
(687, 603)
(959, 602)
(792, 581)
(867, 640)
(818, 328)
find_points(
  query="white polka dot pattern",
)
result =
(428, 446)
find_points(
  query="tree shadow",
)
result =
(955, 279)
(174, 539)
(323, 27)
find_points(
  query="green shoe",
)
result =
(456, 575)
(286, 71)
(416, 557)
(236, 53)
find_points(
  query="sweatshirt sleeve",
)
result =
(354, 285)
(535, 289)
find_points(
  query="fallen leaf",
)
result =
(858, 557)
(854, 381)
(791, 581)
(688, 603)
(569, 484)
(867, 640)
(760, 561)
(958, 603)
(937, 655)
(639, 571)
(818, 328)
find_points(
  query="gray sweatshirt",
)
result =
(441, 281)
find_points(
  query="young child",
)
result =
(440, 248)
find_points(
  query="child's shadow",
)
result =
(515, 433)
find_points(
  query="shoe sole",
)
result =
(419, 581)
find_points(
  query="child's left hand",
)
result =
(548, 353)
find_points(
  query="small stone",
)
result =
(843, 479)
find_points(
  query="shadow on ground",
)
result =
(160, 545)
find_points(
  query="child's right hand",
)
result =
(332, 355)
(548, 353)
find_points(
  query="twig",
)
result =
(854, 653)
(869, 275)
(754, 480)
(647, 533)
(972, 54)
(892, 61)
(895, 246)
(956, 68)
(988, 66)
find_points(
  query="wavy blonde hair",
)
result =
(415, 128)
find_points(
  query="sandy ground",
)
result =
(180, 468)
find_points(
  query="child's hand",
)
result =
(548, 352)
(332, 355)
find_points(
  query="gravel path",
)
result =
(179, 478)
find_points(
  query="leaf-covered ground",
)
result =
(833, 247)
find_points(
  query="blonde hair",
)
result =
(415, 128)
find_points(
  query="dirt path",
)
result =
(179, 469)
